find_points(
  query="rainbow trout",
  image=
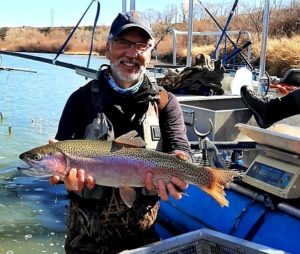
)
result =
(123, 164)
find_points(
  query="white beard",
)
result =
(115, 67)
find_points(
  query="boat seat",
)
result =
(198, 210)
(279, 230)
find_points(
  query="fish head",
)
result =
(44, 161)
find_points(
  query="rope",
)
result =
(93, 34)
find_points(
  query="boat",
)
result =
(264, 211)
(264, 205)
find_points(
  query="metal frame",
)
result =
(204, 241)
(263, 80)
(217, 34)
(124, 5)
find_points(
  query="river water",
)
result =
(32, 212)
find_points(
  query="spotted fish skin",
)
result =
(115, 164)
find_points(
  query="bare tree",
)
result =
(153, 15)
(170, 14)
(254, 15)
(199, 12)
(184, 9)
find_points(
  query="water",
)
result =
(32, 212)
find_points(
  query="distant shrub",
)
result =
(44, 30)
(3, 31)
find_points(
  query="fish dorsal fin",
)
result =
(130, 139)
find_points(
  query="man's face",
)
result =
(129, 55)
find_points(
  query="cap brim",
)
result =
(123, 28)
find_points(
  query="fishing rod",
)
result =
(236, 51)
(84, 71)
(2, 68)
(227, 36)
(226, 26)
(161, 38)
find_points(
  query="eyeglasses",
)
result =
(123, 44)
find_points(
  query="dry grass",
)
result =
(282, 54)
(31, 39)
(283, 47)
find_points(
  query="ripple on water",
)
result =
(32, 216)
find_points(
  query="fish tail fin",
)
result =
(220, 179)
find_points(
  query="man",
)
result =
(123, 99)
(267, 111)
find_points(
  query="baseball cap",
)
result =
(130, 19)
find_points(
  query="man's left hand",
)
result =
(171, 188)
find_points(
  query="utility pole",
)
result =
(52, 17)
(124, 6)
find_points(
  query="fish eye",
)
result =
(37, 157)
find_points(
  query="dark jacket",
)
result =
(125, 113)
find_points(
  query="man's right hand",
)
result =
(164, 189)
(75, 179)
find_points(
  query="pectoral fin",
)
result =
(128, 195)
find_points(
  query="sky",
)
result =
(41, 13)
(45, 13)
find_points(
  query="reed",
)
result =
(282, 53)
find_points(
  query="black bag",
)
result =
(204, 78)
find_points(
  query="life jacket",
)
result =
(101, 128)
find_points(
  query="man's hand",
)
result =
(171, 188)
(75, 179)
